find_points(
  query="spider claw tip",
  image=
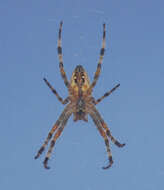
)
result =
(45, 163)
(109, 165)
(106, 167)
(36, 157)
(47, 167)
(123, 145)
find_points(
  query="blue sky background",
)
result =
(134, 57)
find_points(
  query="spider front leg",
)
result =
(59, 49)
(55, 92)
(97, 73)
(106, 94)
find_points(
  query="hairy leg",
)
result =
(103, 134)
(65, 101)
(56, 125)
(59, 49)
(97, 73)
(106, 94)
(116, 142)
(56, 136)
(104, 125)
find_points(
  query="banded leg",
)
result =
(55, 92)
(47, 139)
(54, 128)
(104, 125)
(97, 73)
(106, 94)
(103, 134)
(116, 142)
(59, 49)
(56, 136)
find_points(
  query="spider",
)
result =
(80, 103)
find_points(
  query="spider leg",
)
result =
(56, 136)
(54, 128)
(106, 94)
(116, 142)
(104, 135)
(59, 49)
(97, 73)
(104, 125)
(47, 139)
(55, 92)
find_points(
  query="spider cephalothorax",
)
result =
(79, 81)
(80, 103)
(79, 86)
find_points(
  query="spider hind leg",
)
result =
(116, 142)
(104, 135)
(109, 155)
(56, 136)
(49, 154)
(63, 120)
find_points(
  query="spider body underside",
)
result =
(80, 103)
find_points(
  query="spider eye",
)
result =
(75, 79)
(83, 78)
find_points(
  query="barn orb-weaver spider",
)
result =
(81, 103)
